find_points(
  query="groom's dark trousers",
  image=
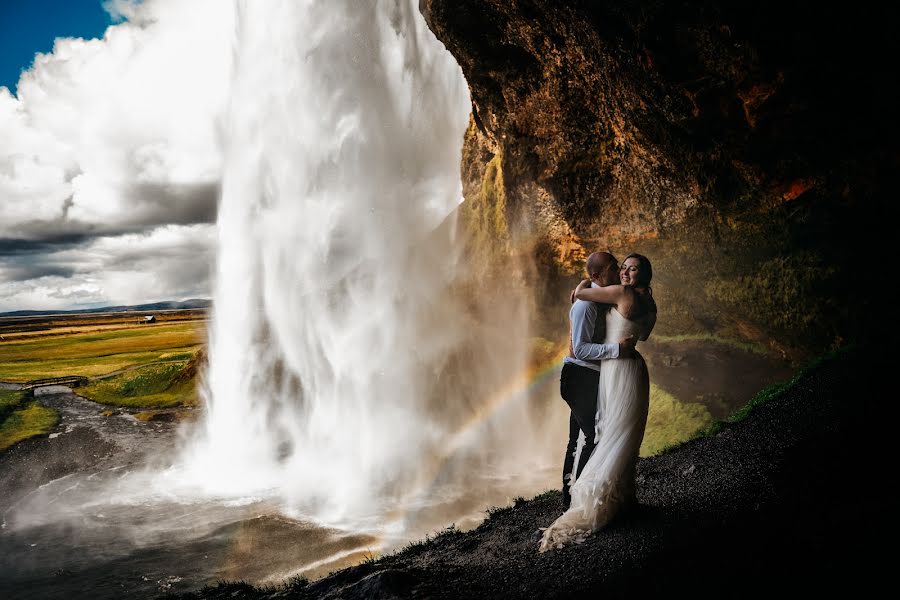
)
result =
(578, 387)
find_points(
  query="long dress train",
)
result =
(607, 481)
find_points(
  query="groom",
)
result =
(581, 368)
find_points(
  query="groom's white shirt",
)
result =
(583, 317)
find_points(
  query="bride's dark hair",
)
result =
(645, 274)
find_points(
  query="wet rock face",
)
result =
(731, 143)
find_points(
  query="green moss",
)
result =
(765, 395)
(10, 400)
(493, 194)
(163, 415)
(152, 386)
(449, 531)
(29, 421)
(484, 216)
(777, 292)
(743, 278)
(671, 422)
(776, 390)
(548, 495)
(22, 418)
(680, 312)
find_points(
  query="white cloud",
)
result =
(168, 263)
(115, 135)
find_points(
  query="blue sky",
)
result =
(108, 180)
(30, 26)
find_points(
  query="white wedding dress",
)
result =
(607, 481)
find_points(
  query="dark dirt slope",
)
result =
(789, 500)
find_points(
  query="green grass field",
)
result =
(97, 353)
(57, 351)
(150, 386)
(9, 401)
(22, 418)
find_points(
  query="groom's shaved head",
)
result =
(598, 262)
(602, 268)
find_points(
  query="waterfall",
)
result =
(348, 373)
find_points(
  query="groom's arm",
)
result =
(584, 318)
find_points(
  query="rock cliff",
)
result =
(746, 148)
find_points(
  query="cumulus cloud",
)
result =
(172, 262)
(109, 139)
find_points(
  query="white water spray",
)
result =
(344, 376)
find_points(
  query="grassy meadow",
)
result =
(151, 386)
(131, 364)
(97, 352)
(22, 418)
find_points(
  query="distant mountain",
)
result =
(166, 305)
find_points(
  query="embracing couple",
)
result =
(605, 383)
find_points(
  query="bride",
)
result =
(606, 484)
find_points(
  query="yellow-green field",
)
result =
(158, 363)
(97, 353)
(22, 418)
(151, 386)
(150, 365)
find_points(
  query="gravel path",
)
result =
(786, 501)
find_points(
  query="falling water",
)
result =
(349, 374)
(360, 383)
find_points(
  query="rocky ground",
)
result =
(85, 439)
(786, 501)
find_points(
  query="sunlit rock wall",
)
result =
(746, 148)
